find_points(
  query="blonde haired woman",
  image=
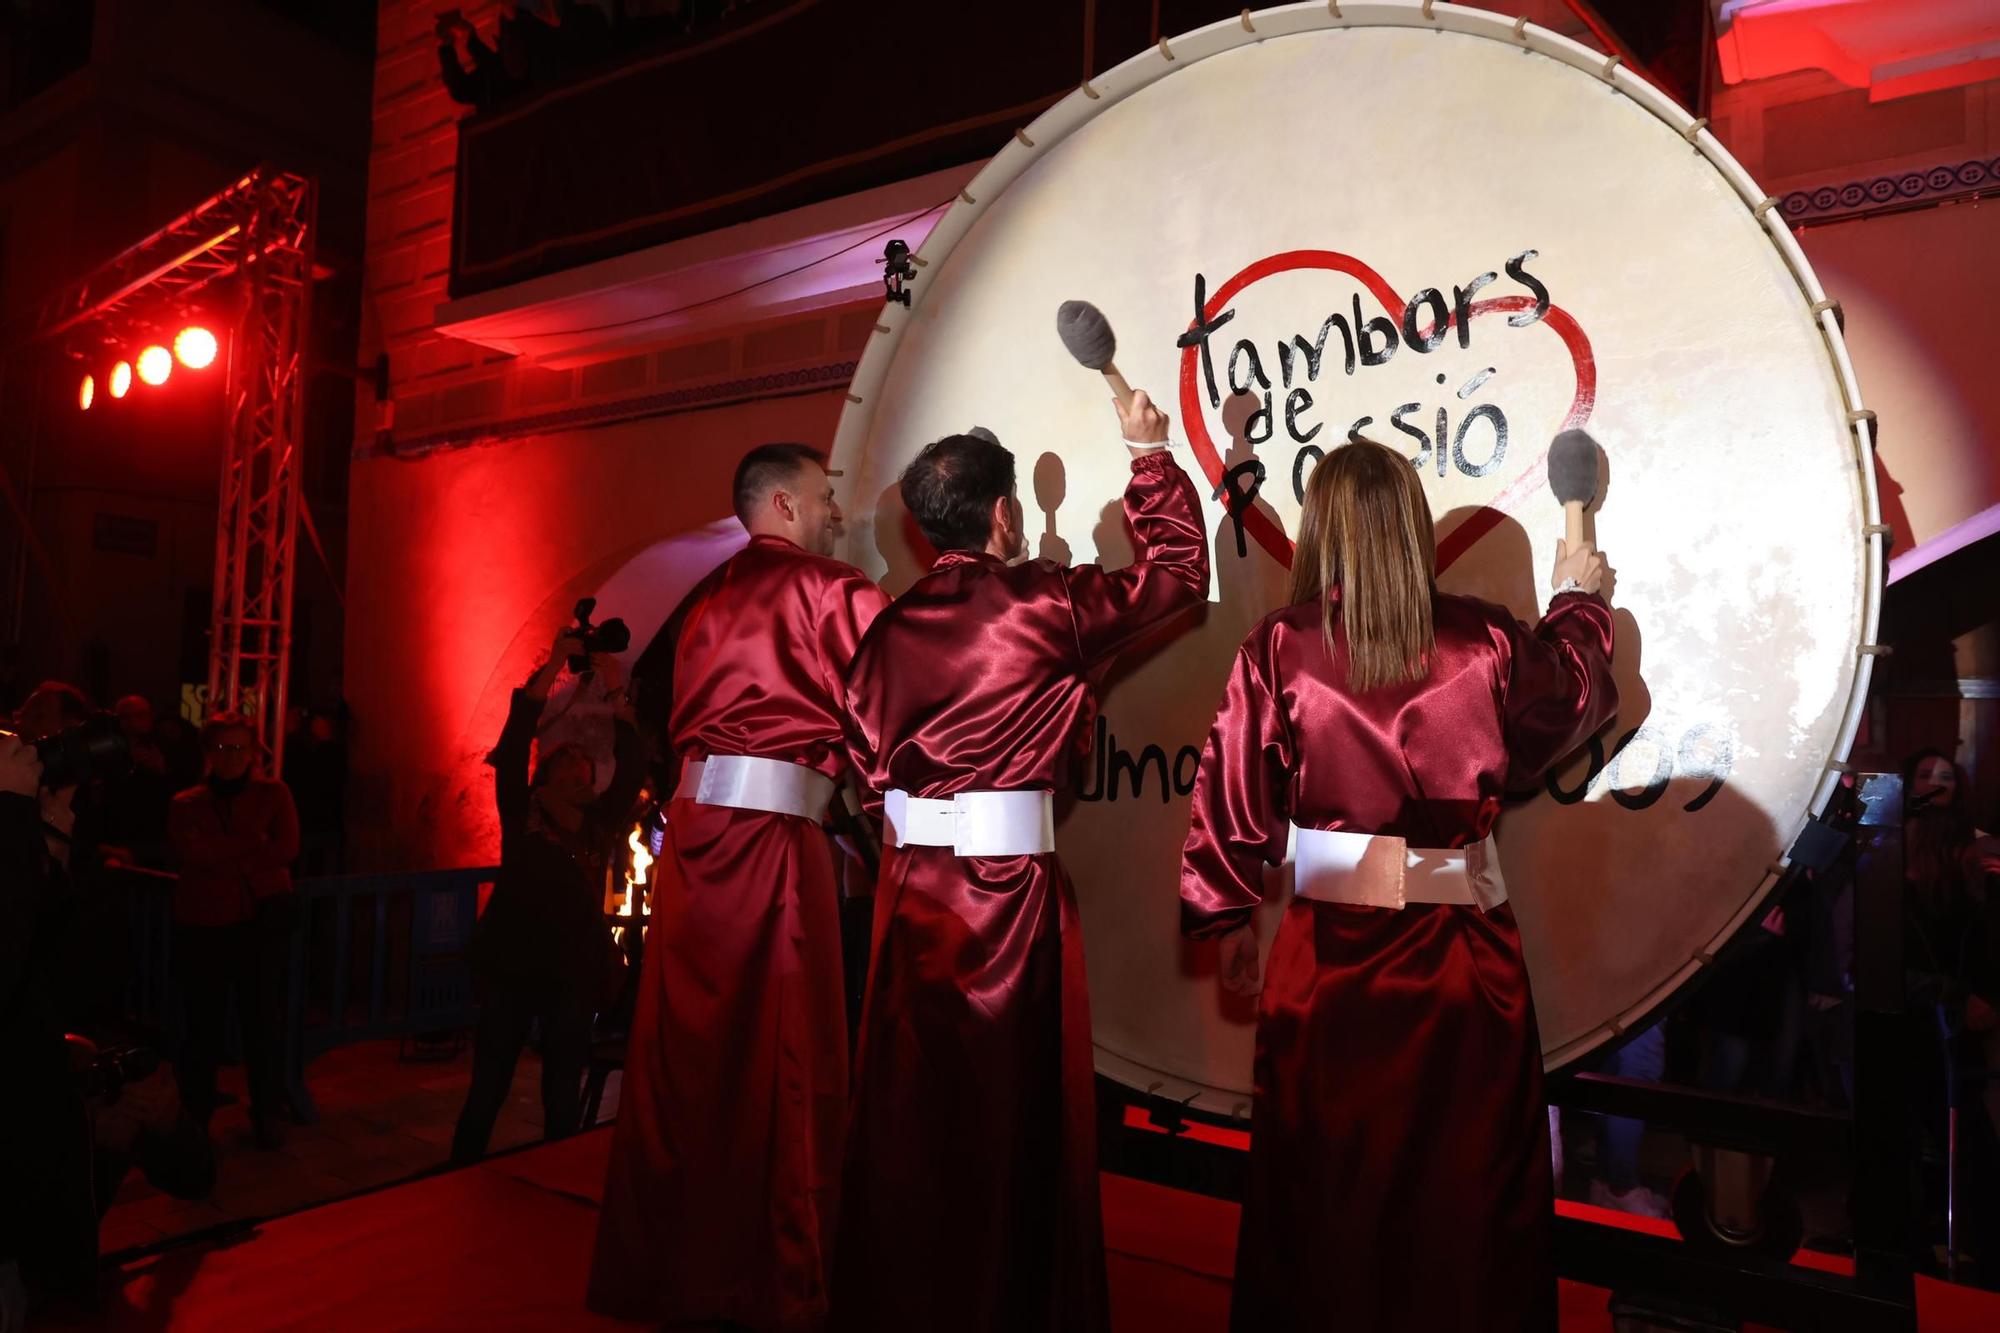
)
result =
(1399, 1160)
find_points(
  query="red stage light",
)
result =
(86, 393)
(121, 379)
(196, 347)
(155, 364)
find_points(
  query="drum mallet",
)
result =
(1573, 477)
(1087, 333)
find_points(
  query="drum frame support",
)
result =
(1647, 1271)
(1877, 1142)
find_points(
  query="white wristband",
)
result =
(1567, 585)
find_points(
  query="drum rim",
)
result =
(1154, 64)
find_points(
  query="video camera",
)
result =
(103, 1071)
(94, 748)
(610, 637)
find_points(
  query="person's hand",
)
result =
(566, 644)
(1142, 424)
(117, 856)
(1583, 564)
(1984, 856)
(1241, 971)
(20, 766)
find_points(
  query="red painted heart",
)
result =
(1258, 522)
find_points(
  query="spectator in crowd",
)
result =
(1619, 1138)
(136, 803)
(534, 45)
(235, 837)
(543, 949)
(1951, 952)
(48, 1223)
(180, 743)
(53, 706)
(316, 772)
(539, 42)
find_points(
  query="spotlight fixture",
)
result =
(121, 379)
(196, 347)
(155, 364)
(86, 393)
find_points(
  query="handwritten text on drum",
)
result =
(1365, 340)
(1705, 751)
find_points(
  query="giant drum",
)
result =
(1455, 234)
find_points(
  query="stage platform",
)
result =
(506, 1245)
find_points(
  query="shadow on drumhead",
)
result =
(1249, 582)
(905, 553)
(1500, 568)
(1051, 488)
(1620, 890)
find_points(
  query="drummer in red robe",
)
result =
(1399, 1147)
(721, 1196)
(971, 1196)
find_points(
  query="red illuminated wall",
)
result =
(466, 563)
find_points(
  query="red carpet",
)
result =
(506, 1245)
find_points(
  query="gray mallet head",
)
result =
(984, 434)
(1573, 466)
(1087, 333)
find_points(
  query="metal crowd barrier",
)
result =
(372, 956)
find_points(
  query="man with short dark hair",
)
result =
(971, 1178)
(720, 1200)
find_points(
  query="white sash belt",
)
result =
(974, 823)
(747, 782)
(1377, 870)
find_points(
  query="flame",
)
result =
(635, 877)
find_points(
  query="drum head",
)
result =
(1455, 239)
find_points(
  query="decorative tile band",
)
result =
(1826, 203)
(665, 403)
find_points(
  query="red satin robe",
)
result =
(722, 1191)
(1399, 1148)
(971, 1200)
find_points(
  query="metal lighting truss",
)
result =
(254, 239)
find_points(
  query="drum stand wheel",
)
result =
(1729, 1202)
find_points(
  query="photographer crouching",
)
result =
(542, 949)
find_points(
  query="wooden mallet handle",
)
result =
(1573, 524)
(1119, 387)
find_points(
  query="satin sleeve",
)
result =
(850, 608)
(847, 607)
(1559, 685)
(1112, 608)
(860, 728)
(1240, 822)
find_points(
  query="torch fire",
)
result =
(635, 872)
